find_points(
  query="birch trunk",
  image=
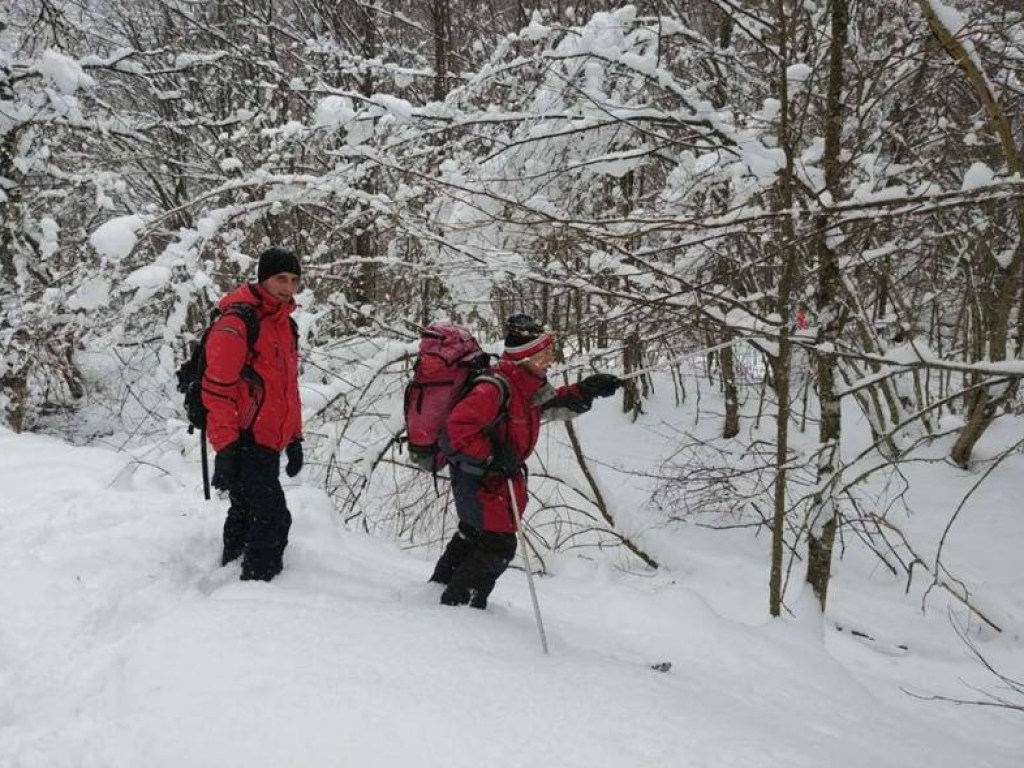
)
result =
(824, 514)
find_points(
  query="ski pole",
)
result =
(526, 561)
(206, 469)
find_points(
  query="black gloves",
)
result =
(228, 463)
(600, 385)
(504, 462)
(294, 453)
(225, 467)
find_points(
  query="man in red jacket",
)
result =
(487, 445)
(253, 413)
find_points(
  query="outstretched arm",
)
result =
(573, 399)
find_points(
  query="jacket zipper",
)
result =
(284, 392)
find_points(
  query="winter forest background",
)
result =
(769, 211)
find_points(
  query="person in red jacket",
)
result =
(488, 445)
(254, 413)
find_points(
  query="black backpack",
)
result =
(190, 374)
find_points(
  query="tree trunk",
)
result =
(598, 498)
(731, 427)
(1006, 277)
(788, 253)
(9, 209)
(635, 389)
(441, 14)
(824, 514)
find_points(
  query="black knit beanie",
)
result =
(273, 261)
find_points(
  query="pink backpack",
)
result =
(448, 357)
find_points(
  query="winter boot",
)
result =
(455, 596)
(496, 552)
(473, 581)
(259, 571)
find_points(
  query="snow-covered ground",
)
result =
(122, 643)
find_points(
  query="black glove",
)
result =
(294, 453)
(225, 467)
(600, 385)
(505, 461)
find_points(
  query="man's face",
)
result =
(539, 363)
(281, 286)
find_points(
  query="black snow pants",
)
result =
(258, 521)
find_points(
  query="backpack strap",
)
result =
(490, 429)
(503, 387)
(251, 319)
(499, 381)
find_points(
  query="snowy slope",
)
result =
(122, 643)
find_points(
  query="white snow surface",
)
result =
(797, 74)
(398, 108)
(333, 111)
(94, 292)
(123, 643)
(116, 238)
(65, 73)
(978, 175)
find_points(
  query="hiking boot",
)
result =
(455, 596)
(259, 571)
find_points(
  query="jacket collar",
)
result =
(267, 304)
(521, 379)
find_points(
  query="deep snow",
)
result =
(122, 643)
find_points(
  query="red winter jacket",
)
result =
(466, 429)
(267, 403)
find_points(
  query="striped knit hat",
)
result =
(525, 337)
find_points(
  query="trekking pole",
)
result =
(206, 469)
(526, 561)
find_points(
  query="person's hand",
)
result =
(505, 462)
(294, 453)
(225, 467)
(600, 385)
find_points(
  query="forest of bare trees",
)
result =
(826, 197)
